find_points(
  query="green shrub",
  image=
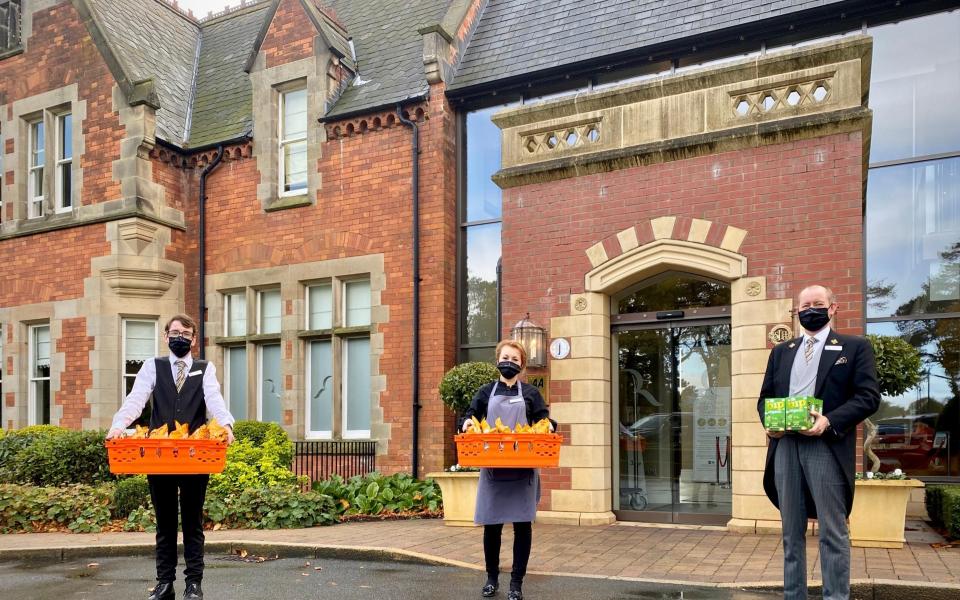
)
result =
(141, 518)
(461, 383)
(81, 508)
(258, 433)
(60, 458)
(950, 511)
(256, 466)
(130, 493)
(933, 500)
(375, 494)
(270, 508)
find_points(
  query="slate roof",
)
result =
(519, 37)
(389, 50)
(153, 41)
(222, 108)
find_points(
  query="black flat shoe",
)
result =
(163, 591)
(489, 590)
(193, 591)
(515, 595)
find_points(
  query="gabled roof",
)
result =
(334, 36)
(517, 38)
(389, 51)
(150, 40)
(222, 105)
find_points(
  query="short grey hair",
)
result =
(831, 297)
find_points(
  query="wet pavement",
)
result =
(237, 578)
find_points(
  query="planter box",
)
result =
(879, 510)
(459, 491)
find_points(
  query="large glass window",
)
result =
(38, 412)
(480, 210)
(320, 306)
(913, 235)
(10, 24)
(293, 142)
(356, 384)
(269, 311)
(235, 313)
(320, 387)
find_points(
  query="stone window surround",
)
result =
(17, 322)
(293, 281)
(268, 84)
(48, 106)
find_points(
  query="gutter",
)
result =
(370, 109)
(202, 316)
(415, 170)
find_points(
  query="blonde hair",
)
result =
(516, 346)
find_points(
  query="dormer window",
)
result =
(10, 11)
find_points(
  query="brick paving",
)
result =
(709, 555)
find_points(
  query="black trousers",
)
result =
(186, 492)
(522, 541)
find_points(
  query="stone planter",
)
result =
(459, 491)
(879, 510)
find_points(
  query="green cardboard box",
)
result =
(797, 411)
(774, 415)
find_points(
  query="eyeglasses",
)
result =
(177, 333)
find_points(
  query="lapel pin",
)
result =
(834, 341)
(792, 345)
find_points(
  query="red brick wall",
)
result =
(364, 207)
(60, 52)
(290, 36)
(800, 202)
(76, 378)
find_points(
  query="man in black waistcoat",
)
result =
(184, 390)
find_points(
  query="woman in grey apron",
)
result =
(507, 495)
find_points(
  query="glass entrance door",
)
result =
(672, 411)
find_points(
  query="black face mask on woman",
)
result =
(814, 319)
(508, 369)
(179, 346)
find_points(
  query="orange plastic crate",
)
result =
(525, 450)
(166, 456)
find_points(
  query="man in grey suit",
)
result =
(810, 474)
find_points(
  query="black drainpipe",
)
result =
(202, 317)
(416, 289)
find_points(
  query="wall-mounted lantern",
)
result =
(534, 340)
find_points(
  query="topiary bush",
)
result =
(460, 384)
(129, 494)
(898, 364)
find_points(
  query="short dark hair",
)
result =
(185, 319)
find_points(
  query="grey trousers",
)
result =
(801, 463)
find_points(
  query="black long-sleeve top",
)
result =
(536, 407)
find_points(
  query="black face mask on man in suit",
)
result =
(814, 319)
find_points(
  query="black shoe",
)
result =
(515, 595)
(163, 591)
(489, 590)
(193, 591)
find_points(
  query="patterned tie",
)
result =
(808, 349)
(181, 374)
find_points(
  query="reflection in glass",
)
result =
(913, 239)
(675, 291)
(321, 389)
(271, 384)
(919, 430)
(483, 253)
(479, 354)
(483, 160)
(675, 419)
(916, 69)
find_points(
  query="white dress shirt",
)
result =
(147, 379)
(803, 376)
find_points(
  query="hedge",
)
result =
(943, 508)
(52, 456)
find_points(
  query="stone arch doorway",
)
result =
(696, 247)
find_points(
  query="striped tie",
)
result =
(808, 349)
(182, 375)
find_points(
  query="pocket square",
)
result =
(841, 361)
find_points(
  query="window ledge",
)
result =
(11, 52)
(263, 337)
(285, 202)
(231, 340)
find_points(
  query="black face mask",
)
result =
(179, 346)
(508, 369)
(814, 319)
